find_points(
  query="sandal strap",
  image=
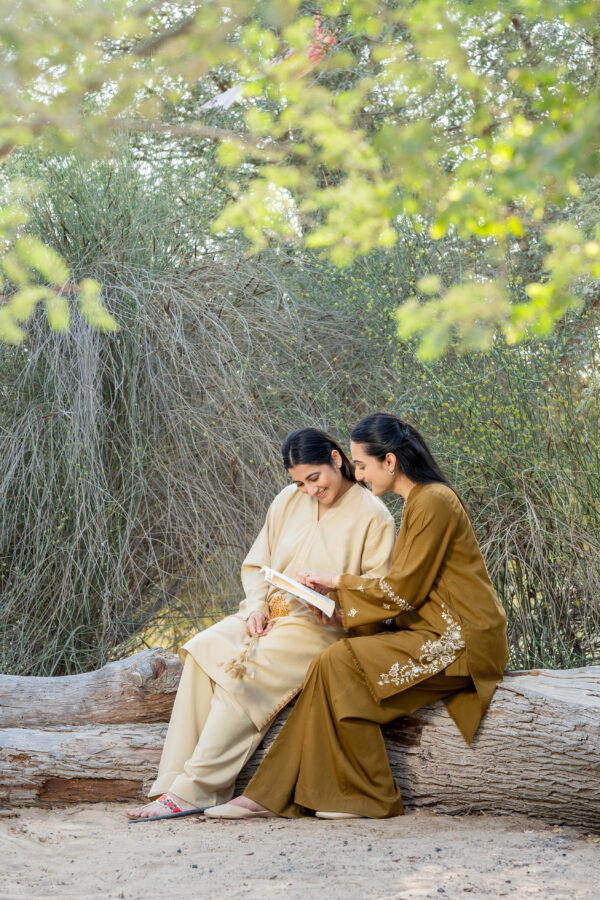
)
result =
(168, 803)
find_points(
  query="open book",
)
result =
(303, 593)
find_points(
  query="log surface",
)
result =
(79, 763)
(537, 753)
(140, 688)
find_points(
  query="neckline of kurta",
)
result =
(417, 488)
(334, 506)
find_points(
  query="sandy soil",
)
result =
(92, 851)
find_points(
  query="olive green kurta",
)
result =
(440, 596)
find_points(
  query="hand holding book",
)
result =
(324, 619)
(322, 582)
(301, 590)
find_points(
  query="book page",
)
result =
(300, 591)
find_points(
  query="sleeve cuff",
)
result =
(246, 609)
(351, 583)
(348, 585)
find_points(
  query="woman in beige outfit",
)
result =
(239, 673)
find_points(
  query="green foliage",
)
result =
(28, 258)
(470, 118)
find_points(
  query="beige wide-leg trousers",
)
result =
(209, 740)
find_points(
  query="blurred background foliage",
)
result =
(468, 117)
(138, 465)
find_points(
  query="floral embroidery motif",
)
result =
(278, 606)
(435, 655)
(361, 587)
(352, 612)
(386, 605)
(237, 667)
(168, 803)
(403, 605)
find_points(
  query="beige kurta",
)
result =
(355, 535)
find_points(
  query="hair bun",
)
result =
(403, 428)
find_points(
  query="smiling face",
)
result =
(323, 481)
(373, 472)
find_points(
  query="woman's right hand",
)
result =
(322, 582)
(255, 624)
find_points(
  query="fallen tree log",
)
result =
(140, 688)
(42, 767)
(537, 753)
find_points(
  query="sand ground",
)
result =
(92, 851)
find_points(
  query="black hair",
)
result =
(309, 445)
(383, 433)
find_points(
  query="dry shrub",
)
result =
(141, 464)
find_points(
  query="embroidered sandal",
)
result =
(174, 811)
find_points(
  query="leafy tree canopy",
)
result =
(470, 118)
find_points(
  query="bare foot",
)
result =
(247, 803)
(158, 809)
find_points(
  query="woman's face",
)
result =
(374, 473)
(321, 481)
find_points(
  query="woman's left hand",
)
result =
(324, 619)
(322, 582)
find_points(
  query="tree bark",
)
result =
(138, 689)
(537, 753)
(44, 766)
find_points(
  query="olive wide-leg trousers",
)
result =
(330, 755)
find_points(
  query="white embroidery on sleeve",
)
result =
(403, 605)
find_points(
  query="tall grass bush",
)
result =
(138, 466)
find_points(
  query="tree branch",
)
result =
(201, 131)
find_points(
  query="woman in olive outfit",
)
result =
(448, 643)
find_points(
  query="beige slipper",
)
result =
(231, 811)
(337, 815)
